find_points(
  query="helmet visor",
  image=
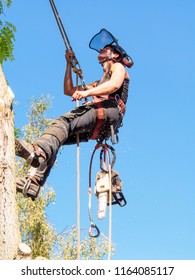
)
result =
(105, 38)
(101, 39)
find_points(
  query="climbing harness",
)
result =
(75, 64)
(107, 186)
(105, 129)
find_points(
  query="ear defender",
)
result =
(127, 61)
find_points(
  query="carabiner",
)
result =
(97, 231)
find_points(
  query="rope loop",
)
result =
(105, 149)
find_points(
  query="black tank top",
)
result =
(121, 93)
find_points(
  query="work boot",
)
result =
(35, 178)
(33, 154)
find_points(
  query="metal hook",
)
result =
(97, 231)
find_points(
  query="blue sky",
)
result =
(156, 151)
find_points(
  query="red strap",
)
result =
(101, 116)
(122, 105)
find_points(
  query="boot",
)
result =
(33, 154)
(35, 179)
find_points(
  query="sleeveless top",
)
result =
(121, 93)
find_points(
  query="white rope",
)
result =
(110, 214)
(78, 186)
(110, 203)
(78, 197)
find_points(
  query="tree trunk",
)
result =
(9, 226)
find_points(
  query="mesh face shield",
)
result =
(104, 38)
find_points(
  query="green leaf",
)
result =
(7, 36)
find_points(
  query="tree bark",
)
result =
(9, 226)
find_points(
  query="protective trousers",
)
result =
(81, 120)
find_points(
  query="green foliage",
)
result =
(37, 120)
(35, 229)
(34, 226)
(17, 132)
(90, 248)
(7, 36)
(8, 2)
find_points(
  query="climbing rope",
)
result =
(110, 214)
(77, 70)
(75, 64)
(78, 186)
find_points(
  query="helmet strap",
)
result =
(109, 57)
(106, 59)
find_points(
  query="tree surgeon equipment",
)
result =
(68, 46)
(105, 130)
(102, 184)
(107, 190)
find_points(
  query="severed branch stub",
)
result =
(24, 252)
